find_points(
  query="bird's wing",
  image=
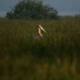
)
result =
(37, 36)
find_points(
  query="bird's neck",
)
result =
(39, 31)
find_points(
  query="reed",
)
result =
(54, 57)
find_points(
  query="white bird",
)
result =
(39, 35)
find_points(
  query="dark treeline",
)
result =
(32, 9)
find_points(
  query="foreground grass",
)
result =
(56, 56)
(29, 68)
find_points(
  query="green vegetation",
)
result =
(3, 18)
(67, 17)
(54, 57)
(77, 16)
(32, 9)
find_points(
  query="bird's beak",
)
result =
(43, 29)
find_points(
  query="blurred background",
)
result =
(66, 9)
(56, 56)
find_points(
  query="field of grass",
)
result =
(54, 57)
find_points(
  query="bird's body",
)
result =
(39, 35)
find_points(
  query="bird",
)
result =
(39, 35)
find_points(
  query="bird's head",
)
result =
(39, 26)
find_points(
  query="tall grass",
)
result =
(55, 56)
